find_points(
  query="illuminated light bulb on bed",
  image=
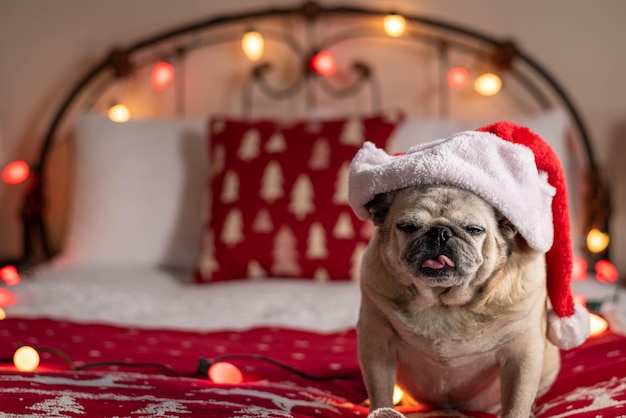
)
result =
(224, 372)
(579, 268)
(3, 314)
(606, 272)
(9, 275)
(398, 394)
(323, 63)
(162, 75)
(458, 78)
(488, 84)
(119, 113)
(26, 359)
(16, 172)
(597, 324)
(253, 45)
(394, 25)
(597, 241)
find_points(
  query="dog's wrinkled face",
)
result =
(440, 236)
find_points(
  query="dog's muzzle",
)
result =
(437, 259)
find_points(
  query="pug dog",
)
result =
(453, 306)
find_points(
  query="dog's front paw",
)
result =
(385, 413)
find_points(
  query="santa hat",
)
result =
(514, 170)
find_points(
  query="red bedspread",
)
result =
(592, 382)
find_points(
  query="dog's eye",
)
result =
(406, 227)
(475, 230)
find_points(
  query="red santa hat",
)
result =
(514, 170)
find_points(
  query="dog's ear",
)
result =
(507, 229)
(379, 206)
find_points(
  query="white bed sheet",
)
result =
(156, 298)
(150, 297)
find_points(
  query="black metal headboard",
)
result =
(444, 37)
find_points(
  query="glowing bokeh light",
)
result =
(253, 45)
(597, 324)
(9, 275)
(162, 75)
(398, 394)
(26, 359)
(606, 272)
(3, 314)
(119, 113)
(16, 172)
(458, 78)
(394, 25)
(488, 84)
(597, 241)
(224, 372)
(324, 63)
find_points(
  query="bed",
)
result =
(181, 256)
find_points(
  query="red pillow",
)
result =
(278, 204)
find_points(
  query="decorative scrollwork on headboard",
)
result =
(258, 77)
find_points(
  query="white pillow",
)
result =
(138, 192)
(551, 126)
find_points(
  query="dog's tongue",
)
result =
(438, 263)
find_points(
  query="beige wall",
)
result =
(46, 45)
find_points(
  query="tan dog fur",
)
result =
(471, 338)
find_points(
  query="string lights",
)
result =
(27, 359)
(321, 62)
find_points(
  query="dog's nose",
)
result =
(440, 233)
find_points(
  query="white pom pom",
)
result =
(569, 332)
(385, 413)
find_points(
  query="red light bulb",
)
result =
(324, 63)
(224, 372)
(16, 172)
(606, 272)
(458, 78)
(162, 75)
(9, 275)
